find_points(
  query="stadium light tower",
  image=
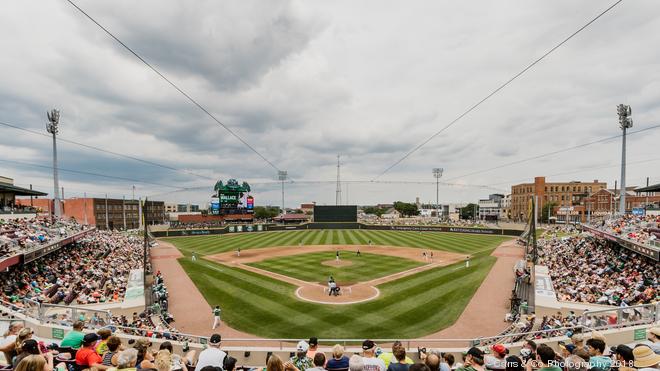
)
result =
(281, 175)
(625, 122)
(437, 173)
(53, 127)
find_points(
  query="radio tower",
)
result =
(338, 192)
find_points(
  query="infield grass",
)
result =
(308, 267)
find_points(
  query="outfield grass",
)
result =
(454, 242)
(410, 307)
(308, 267)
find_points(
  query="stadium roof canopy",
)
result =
(651, 188)
(19, 191)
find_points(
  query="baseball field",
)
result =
(255, 299)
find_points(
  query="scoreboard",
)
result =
(344, 213)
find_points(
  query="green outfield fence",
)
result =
(249, 228)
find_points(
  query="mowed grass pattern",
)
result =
(308, 267)
(410, 307)
(454, 242)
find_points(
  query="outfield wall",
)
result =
(316, 226)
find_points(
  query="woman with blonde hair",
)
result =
(35, 362)
(163, 360)
(23, 335)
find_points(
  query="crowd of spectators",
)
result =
(92, 270)
(17, 235)
(641, 229)
(589, 270)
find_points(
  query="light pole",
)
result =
(625, 122)
(53, 127)
(281, 175)
(437, 173)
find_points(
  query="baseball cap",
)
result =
(90, 338)
(313, 341)
(302, 346)
(215, 339)
(569, 347)
(368, 344)
(476, 352)
(499, 348)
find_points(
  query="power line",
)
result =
(88, 173)
(497, 90)
(536, 157)
(59, 138)
(193, 101)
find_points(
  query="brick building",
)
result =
(563, 194)
(606, 201)
(92, 211)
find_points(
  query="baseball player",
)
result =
(216, 316)
(194, 256)
(337, 255)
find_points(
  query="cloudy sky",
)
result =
(303, 81)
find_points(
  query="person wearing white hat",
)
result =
(645, 359)
(300, 361)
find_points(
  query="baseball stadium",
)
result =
(256, 186)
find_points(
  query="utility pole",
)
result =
(123, 209)
(281, 175)
(338, 190)
(625, 122)
(437, 173)
(53, 127)
(107, 223)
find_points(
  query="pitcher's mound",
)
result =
(337, 263)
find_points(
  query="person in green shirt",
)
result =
(75, 337)
(474, 360)
(216, 316)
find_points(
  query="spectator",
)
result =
(35, 362)
(596, 348)
(449, 360)
(229, 364)
(109, 358)
(274, 363)
(356, 363)
(566, 349)
(646, 359)
(418, 367)
(163, 360)
(29, 347)
(101, 346)
(371, 363)
(654, 339)
(387, 356)
(145, 357)
(313, 346)
(127, 359)
(178, 362)
(514, 363)
(474, 360)
(8, 343)
(547, 357)
(300, 361)
(319, 362)
(74, 338)
(338, 362)
(575, 363)
(86, 356)
(400, 364)
(624, 357)
(212, 356)
(497, 360)
(23, 335)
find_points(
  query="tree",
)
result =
(547, 211)
(373, 210)
(468, 211)
(266, 212)
(406, 209)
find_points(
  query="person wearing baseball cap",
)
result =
(497, 361)
(654, 339)
(86, 356)
(474, 360)
(313, 347)
(211, 356)
(371, 363)
(300, 361)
